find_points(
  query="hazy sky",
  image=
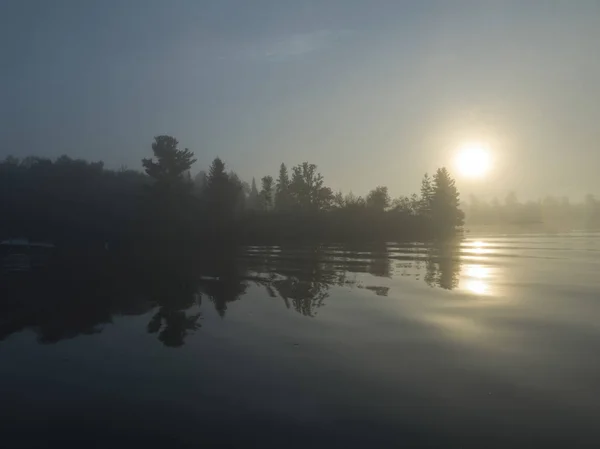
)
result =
(372, 91)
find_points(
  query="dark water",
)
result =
(491, 343)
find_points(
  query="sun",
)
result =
(473, 160)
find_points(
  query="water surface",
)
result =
(494, 342)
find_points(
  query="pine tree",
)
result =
(446, 215)
(171, 163)
(424, 208)
(200, 182)
(282, 190)
(253, 197)
(222, 191)
(216, 174)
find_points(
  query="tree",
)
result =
(378, 199)
(223, 191)
(200, 182)
(171, 163)
(282, 190)
(446, 215)
(266, 193)
(351, 201)
(236, 193)
(424, 207)
(338, 200)
(415, 203)
(307, 190)
(216, 175)
(325, 198)
(404, 205)
(253, 197)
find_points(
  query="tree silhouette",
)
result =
(253, 198)
(353, 202)
(282, 190)
(338, 200)
(224, 192)
(200, 182)
(403, 205)
(96, 200)
(378, 199)
(171, 163)
(445, 213)
(237, 194)
(266, 193)
(307, 188)
(426, 200)
(217, 177)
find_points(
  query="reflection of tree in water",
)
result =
(219, 277)
(223, 291)
(302, 277)
(305, 295)
(174, 295)
(443, 266)
(173, 326)
(380, 263)
(55, 309)
(223, 280)
(305, 279)
(378, 290)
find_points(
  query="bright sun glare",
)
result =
(473, 160)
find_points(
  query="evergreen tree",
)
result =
(216, 175)
(171, 163)
(424, 207)
(282, 190)
(266, 193)
(253, 197)
(223, 190)
(200, 182)
(446, 215)
(236, 193)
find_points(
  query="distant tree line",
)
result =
(73, 200)
(549, 213)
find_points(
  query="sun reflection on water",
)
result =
(476, 279)
(478, 247)
(477, 287)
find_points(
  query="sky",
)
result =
(375, 92)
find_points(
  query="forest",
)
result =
(76, 203)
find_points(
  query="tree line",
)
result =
(548, 213)
(73, 200)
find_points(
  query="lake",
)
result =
(490, 343)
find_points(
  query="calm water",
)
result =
(491, 343)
